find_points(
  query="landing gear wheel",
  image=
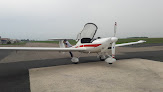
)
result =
(102, 57)
(110, 60)
(75, 60)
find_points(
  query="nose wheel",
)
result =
(107, 58)
(110, 60)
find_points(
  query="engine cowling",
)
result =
(114, 39)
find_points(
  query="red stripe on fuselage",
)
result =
(81, 46)
(90, 45)
(76, 46)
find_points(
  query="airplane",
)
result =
(86, 43)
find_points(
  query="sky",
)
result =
(44, 19)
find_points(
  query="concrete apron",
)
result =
(129, 75)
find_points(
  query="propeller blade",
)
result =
(115, 28)
(113, 50)
(114, 40)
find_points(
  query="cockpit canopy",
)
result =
(88, 33)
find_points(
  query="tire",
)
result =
(102, 59)
(75, 62)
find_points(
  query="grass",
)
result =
(45, 41)
(21, 43)
(148, 40)
(73, 42)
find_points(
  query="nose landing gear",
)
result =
(110, 60)
(107, 58)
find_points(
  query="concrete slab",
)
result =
(130, 75)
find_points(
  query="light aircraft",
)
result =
(86, 43)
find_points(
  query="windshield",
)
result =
(88, 31)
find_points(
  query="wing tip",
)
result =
(142, 41)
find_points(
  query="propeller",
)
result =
(114, 40)
(115, 28)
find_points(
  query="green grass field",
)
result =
(148, 40)
(45, 42)
(21, 43)
(73, 42)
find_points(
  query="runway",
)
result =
(14, 75)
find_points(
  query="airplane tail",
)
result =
(61, 44)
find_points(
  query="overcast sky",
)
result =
(43, 19)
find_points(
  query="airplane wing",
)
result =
(43, 49)
(130, 43)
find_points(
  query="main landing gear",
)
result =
(102, 57)
(107, 58)
(75, 60)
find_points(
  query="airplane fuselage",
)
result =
(96, 46)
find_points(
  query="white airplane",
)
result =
(85, 44)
